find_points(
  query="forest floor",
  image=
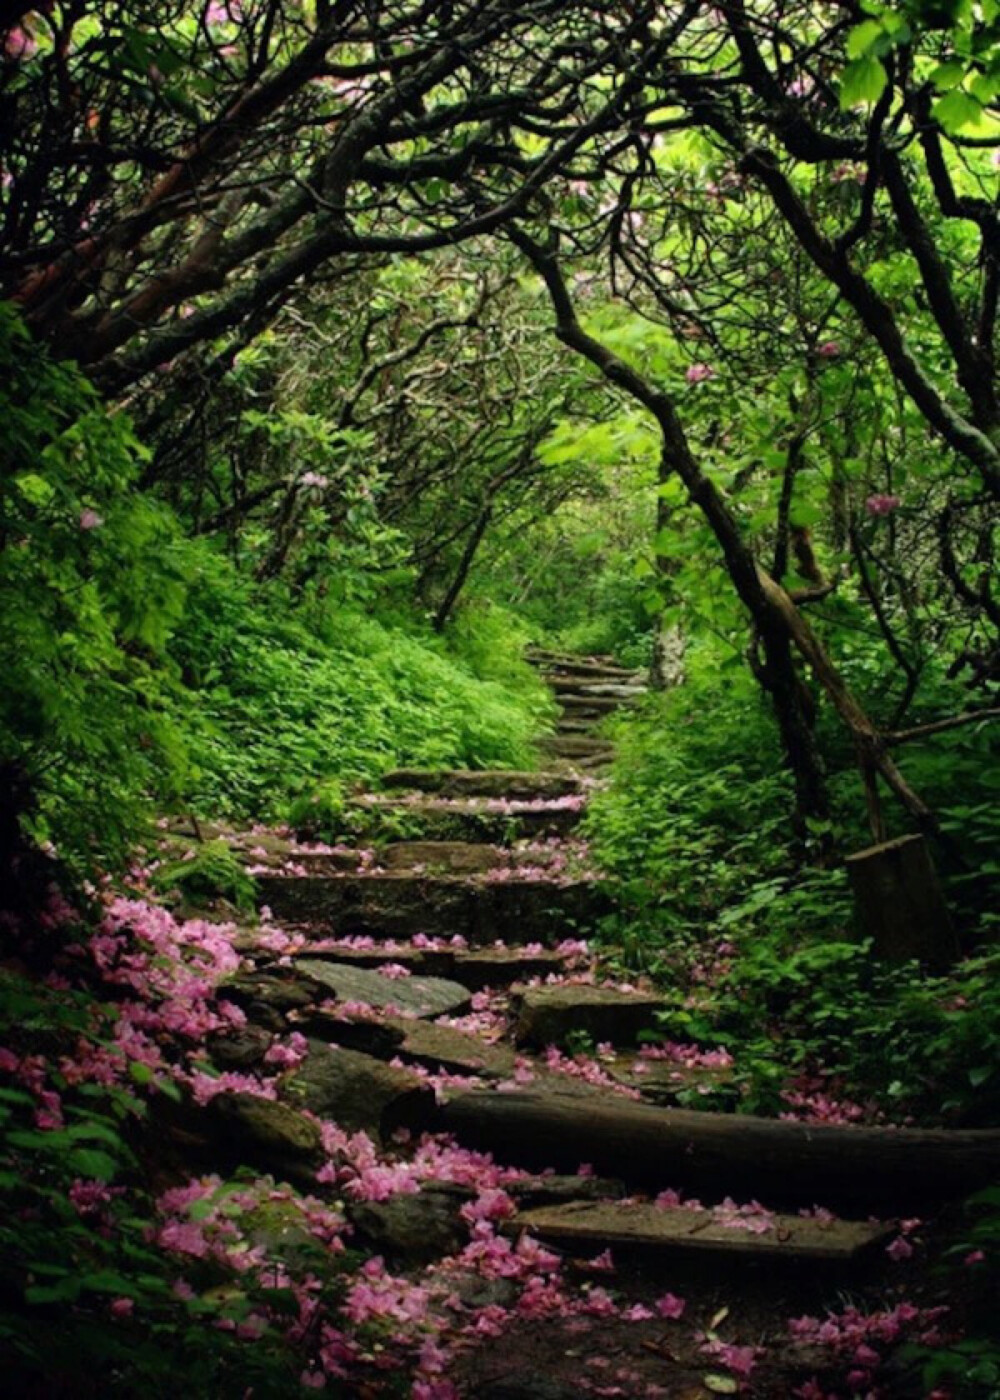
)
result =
(478, 1131)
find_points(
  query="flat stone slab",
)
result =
(472, 783)
(548, 1015)
(660, 1081)
(424, 996)
(616, 1223)
(263, 1132)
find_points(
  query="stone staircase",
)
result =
(445, 982)
(588, 689)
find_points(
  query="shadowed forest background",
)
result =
(365, 366)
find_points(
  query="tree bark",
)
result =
(777, 1161)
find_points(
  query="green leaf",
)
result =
(956, 111)
(864, 80)
(863, 36)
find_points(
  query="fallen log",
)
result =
(779, 1162)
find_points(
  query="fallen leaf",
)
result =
(720, 1385)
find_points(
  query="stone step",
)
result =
(624, 1225)
(474, 968)
(551, 1015)
(423, 1043)
(579, 746)
(423, 996)
(485, 783)
(589, 704)
(576, 725)
(596, 685)
(469, 819)
(403, 904)
(564, 663)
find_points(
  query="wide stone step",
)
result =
(474, 968)
(402, 905)
(421, 996)
(623, 1225)
(487, 783)
(433, 818)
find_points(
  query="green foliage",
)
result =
(289, 697)
(62, 1267)
(211, 871)
(91, 586)
(753, 945)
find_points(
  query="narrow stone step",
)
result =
(595, 704)
(597, 684)
(581, 745)
(616, 1224)
(488, 783)
(550, 1015)
(400, 905)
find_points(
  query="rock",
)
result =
(264, 1133)
(556, 1190)
(547, 1015)
(371, 1037)
(441, 1047)
(473, 1291)
(424, 996)
(472, 783)
(239, 1049)
(631, 1225)
(282, 990)
(358, 1091)
(422, 1227)
(469, 819)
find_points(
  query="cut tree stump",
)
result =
(616, 1224)
(780, 1162)
(901, 905)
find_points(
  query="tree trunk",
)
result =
(901, 905)
(777, 1161)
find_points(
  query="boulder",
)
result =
(239, 1049)
(423, 1226)
(264, 1133)
(357, 1091)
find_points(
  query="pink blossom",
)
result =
(90, 520)
(899, 1250)
(882, 504)
(122, 1307)
(975, 1257)
(829, 349)
(698, 373)
(670, 1306)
